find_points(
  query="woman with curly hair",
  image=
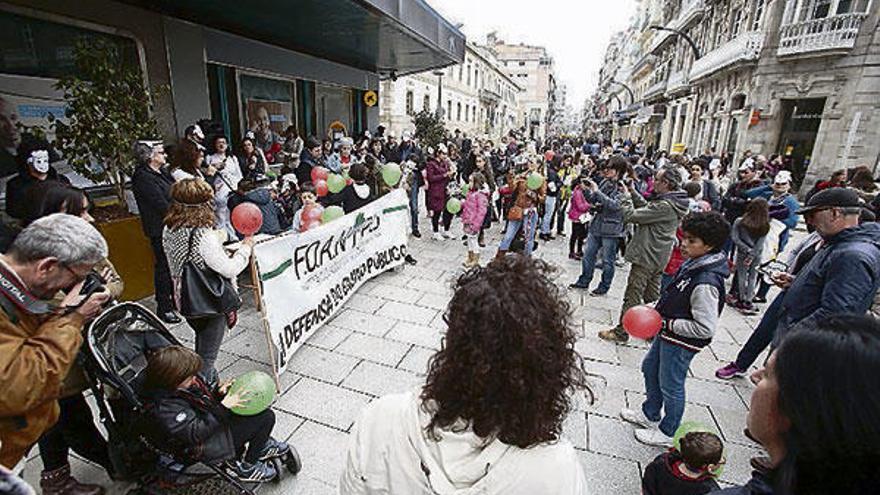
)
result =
(489, 417)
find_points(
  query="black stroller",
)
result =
(114, 356)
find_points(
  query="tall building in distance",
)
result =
(798, 78)
(476, 97)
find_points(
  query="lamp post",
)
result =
(439, 74)
(687, 38)
(632, 96)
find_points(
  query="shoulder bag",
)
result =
(204, 292)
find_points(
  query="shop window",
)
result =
(268, 108)
(409, 103)
(38, 48)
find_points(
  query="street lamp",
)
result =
(683, 35)
(632, 96)
(439, 73)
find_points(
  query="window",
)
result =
(735, 22)
(458, 111)
(409, 102)
(469, 75)
(449, 109)
(758, 18)
(460, 69)
(426, 102)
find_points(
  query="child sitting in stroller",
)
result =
(195, 422)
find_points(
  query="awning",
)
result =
(382, 36)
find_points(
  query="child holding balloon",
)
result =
(689, 308)
(473, 212)
(200, 424)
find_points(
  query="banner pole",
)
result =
(258, 297)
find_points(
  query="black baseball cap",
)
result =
(835, 197)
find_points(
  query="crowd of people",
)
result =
(489, 416)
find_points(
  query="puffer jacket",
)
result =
(841, 278)
(656, 220)
(261, 197)
(191, 423)
(473, 211)
(37, 350)
(438, 178)
(608, 221)
(579, 205)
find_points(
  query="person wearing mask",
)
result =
(607, 227)
(189, 236)
(34, 168)
(655, 221)
(75, 428)
(446, 437)
(813, 411)
(310, 158)
(227, 175)
(39, 341)
(151, 184)
(844, 276)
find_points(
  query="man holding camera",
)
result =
(39, 341)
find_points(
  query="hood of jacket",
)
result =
(259, 196)
(361, 190)
(678, 200)
(712, 262)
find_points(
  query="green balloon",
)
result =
(391, 173)
(453, 206)
(258, 389)
(331, 213)
(535, 181)
(335, 183)
(691, 427)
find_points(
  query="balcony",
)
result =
(489, 95)
(655, 90)
(745, 48)
(678, 83)
(690, 11)
(835, 33)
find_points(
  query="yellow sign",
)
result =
(371, 98)
(677, 148)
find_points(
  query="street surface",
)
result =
(382, 339)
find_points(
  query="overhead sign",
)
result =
(306, 277)
(371, 98)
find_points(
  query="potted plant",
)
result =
(108, 109)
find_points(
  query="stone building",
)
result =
(476, 97)
(796, 77)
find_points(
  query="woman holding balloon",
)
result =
(189, 236)
(528, 189)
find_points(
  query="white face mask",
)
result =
(39, 160)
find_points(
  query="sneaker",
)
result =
(438, 236)
(560, 234)
(614, 335)
(638, 418)
(653, 437)
(598, 293)
(759, 300)
(258, 472)
(746, 308)
(274, 448)
(417, 234)
(578, 286)
(729, 371)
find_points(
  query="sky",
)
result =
(575, 32)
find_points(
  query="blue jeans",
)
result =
(609, 256)
(414, 207)
(530, 223)
(665, 369)
(549, 211)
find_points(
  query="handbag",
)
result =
(515, 213)
(204, 292)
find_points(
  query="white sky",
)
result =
(576, 32)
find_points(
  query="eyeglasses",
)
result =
(76, 276)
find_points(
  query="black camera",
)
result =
(93, 283)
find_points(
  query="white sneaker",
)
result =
(447, 234)
(438, 236)
(652, 436)
(638, 418)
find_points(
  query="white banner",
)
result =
(306, 277)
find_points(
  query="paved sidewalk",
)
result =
(381, 341)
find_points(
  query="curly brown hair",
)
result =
(507, 366)
(192, 204)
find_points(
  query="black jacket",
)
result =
(355, 196)
(152, 192)
(662, 477)
(190, 423)
(272, 215)
(304, 169)
(18, 198)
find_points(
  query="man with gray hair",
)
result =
(38, 340)
(656, 221)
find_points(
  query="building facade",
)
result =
(800, 78)
(475, 97)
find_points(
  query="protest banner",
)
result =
(306, 277)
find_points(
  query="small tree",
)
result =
(430, 130)
(108, 109)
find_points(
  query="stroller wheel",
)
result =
(292, 461)
(276, 462)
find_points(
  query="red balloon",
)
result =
(311, 213)
(321, 188)
(270, 157)
(275, 148)
(319, 173)
(309, 225)
(642, 322)
(247, 219)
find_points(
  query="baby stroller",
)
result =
(114, 357)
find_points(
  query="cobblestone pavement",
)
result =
(382, 339)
